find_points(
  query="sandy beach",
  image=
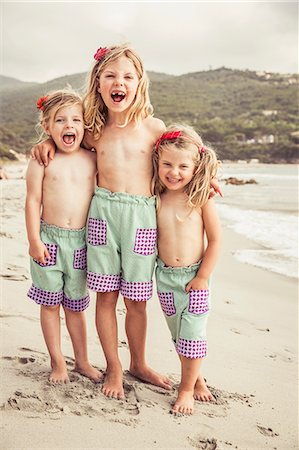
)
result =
(251, 367)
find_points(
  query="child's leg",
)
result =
(189, 373)
(106, 324)
(136, 325)
(50, 323)
(76, 325)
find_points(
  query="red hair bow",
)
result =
(168, 136)
(100, 53)
(40, 104)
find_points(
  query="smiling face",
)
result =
(66, 127)
(118, 84)
(176, 167)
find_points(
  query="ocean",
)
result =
(266, 213)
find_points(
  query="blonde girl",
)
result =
(183, 169)
(57, 203)
(121, 226)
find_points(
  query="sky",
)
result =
(45, 40)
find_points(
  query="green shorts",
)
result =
(121, 244)
(186, 314)
(62, 279)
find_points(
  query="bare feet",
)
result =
(88, 371)
(59, 372)
(184, 403)
(201, 391)
(113, 384)
(148, 375)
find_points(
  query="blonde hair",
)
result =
(204, 158)
(51, 103)
(95, 109)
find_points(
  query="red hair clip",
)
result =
(101, 52)
(201, 149)
(40, 104)
(168, 136)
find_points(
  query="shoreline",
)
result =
(251, 366)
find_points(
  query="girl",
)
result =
(183, 169)
(121, 237)
(61, 193)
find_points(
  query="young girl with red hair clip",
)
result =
(183, 169)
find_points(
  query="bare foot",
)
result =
(113, 384)
(150, 376)
(201, 391)
(88, 371)
(184, 403)
(59, 372)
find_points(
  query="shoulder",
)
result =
(155, 126)
(34, 168)
(88, 155)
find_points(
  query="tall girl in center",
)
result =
(121, 241)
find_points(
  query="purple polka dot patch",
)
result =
(139, 291)
(46, 298)
(167, 303)
(145, 241)
(80, 259)
(103, 283)
(52, 249)
(76, 305)
(198, 301)
(97, 232)
(192, 348)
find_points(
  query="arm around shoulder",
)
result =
(43, 151)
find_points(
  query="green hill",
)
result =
(243, 114)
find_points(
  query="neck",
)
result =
(116, 119)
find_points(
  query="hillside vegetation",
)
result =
(243, 114)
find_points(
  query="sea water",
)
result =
(265, 212)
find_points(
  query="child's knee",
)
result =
(50, 309)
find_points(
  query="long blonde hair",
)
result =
(51, 103)
(204, 158)
(95, 109)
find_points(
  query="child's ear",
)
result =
(46, 128)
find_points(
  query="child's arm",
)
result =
(213, 232)
(34, 181)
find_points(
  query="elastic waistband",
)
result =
(62, 232)
(184, 269)
(123, 197)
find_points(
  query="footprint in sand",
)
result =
(21, 360)
(266, 431)
(204, 443)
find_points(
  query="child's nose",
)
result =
(119, 81)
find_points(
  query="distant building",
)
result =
(270, 112)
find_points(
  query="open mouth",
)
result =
(69, 138)
(118, 96)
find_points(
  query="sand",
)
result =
(251, 367)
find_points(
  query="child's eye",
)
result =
(58, 120)
(77, 120)
(166, 164)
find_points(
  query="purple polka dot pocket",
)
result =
(199, 301)
(52, 249)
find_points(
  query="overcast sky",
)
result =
(45, 40)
